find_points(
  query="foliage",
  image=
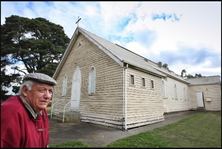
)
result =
(200, 130)
(195, 76)
(183, 73)
(163, 65)
(35, 43)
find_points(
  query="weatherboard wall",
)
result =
(144, 104)
(176, 98)
(212, 91)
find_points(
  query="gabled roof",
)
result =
(119, 54)
(204, 80)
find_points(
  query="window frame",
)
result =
(175, 92)
(152, 84)
(64, 85)
(92, 81)
(143, 82)
(130, 79)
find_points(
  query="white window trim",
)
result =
(175, 91)
(64, 85)
(185, 93)
(164, 88)
(134, 79)
(151, 80)
(90, 92)
(144, 82)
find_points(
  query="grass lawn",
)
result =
(202, 130)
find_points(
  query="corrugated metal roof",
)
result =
(121, 53)
(204, 80)
(170, 73)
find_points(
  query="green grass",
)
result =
(71, 144)
(200, 130)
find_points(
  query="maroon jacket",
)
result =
(19, 129)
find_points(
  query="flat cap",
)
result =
(40, 77)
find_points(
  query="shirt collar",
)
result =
(30, 109)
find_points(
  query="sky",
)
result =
(184, 34)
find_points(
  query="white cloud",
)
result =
(192, 43)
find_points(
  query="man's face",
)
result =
(39, 96)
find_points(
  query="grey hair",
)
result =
(28, 84)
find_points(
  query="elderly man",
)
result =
(24, 120)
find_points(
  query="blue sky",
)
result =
(184, 35)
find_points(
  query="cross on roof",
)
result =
(77, 22)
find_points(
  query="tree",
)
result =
(163, 65)
(160, 64)
(183, 73)
(196, 76)
(36, 43)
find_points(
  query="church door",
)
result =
(199, 96)
(76, 89)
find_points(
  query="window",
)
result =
(79, 43)
(184, 93)
(175, 88)
(163, 89)
(151, 84)
(64, 86)
(143, 82)
(132, 79)
(92, 80)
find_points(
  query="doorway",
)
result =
(76, 89)
(200, 102)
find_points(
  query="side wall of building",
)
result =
(211, 91)
(176, 96)
(144, 104)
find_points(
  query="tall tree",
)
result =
(36, 43)
(183, 73)
(163, 65)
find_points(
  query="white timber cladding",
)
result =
(106, 105)
(209, 91)
(144, 105)
(172, 104)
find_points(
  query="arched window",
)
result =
(64, 86)
(92, 81)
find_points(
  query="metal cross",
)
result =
(77, 22)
